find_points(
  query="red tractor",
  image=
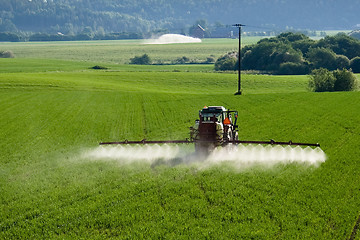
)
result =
(214, 128)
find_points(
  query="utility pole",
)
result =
(239, 59)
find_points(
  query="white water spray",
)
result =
(242, 155)
(137, 153)
(239, 156)
(172, 38)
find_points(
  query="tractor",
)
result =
(214, 128)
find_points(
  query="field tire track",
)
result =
(143, 112)
(355, 229)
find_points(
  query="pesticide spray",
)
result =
(247, 155)
(240, 156)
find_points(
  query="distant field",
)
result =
(53, 111)
(24, 65)
(120, 52)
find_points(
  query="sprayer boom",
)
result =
(272, 142)
(215, 127)
(147, 142)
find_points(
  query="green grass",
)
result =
(52, 111)
(23, 65)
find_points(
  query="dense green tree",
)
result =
(303, 45)
(342, 62)
(355, 64)
(341, 44)
(291, 37)
(290, 53)
(269, 55)
(322, 58)
(285, 55)
(298, 41)
(258, 56)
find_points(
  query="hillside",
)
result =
(102, 16)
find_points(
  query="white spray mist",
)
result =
(240, 156)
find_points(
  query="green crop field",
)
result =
(53, 112)
(120, 52)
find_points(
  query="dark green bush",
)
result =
(226, 62)
(98, 67)
(322, 80)
(141, 60)
(226, 65)
(345, 80)
(182, 60)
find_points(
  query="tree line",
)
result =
(295, 53)
(38, 37)
(140, 16)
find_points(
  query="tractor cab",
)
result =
(214, 128)
(212, 114)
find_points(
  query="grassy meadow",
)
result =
(54, 108)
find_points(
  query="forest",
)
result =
(141, 16)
